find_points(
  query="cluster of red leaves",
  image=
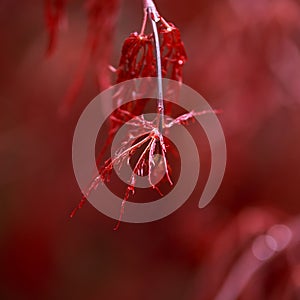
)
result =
(138, 56)
(172, 52)
(138, 59)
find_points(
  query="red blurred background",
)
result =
(244, 57)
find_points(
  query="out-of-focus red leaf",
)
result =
(54, 14)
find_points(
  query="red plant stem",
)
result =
(144, 23)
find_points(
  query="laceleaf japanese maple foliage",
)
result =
(159, 54)
(138, 59)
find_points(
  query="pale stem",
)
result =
(154, 18)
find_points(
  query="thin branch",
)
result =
(154, 18)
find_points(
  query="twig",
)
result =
(154, 18)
